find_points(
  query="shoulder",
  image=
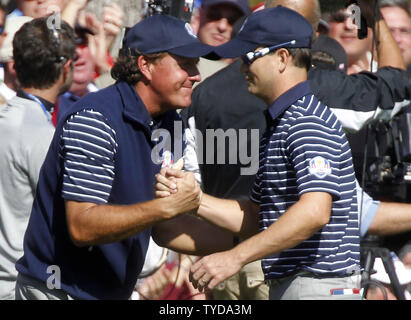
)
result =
(104, 101)
(310, 110)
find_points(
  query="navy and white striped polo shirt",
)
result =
(305, 150)
(89, 147)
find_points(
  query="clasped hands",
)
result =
(181, 188)
(210, 270)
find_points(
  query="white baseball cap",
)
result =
(13, 25)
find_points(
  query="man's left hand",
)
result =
(209, 271)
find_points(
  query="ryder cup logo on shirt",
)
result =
(319, 167)
(190, 30)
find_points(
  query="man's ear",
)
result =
(284, 59)
(10, 68)
(144, 65)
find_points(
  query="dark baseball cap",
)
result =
(269, 27)
(164, 33)
(242, 5)
(332, 48)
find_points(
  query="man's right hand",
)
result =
(181, 187)
(187, 196)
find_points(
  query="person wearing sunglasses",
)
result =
(344, 29)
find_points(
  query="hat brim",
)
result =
(192, 50)
(235, 48)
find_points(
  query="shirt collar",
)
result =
(289, 97)
(134, 108)
(47, 104)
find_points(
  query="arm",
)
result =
(191, 235)
(94, 224)
(389, 54)
(232, 215)
(71, 11)
(240, 217)
(391, 218)
(299, 223)
(112, 18)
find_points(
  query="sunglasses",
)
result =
(251, 56)
(61, 59)
(339, 17)
(1, 29)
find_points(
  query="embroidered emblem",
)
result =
(190, 30)
(167, 159)
(320, 167)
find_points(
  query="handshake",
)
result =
(181, 189)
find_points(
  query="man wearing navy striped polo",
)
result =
(304, 196)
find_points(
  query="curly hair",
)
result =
(40, 51)
(126, 66)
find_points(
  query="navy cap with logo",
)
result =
(164, 33)
(269, 27)
(241, 5)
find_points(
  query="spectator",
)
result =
(397, 15)
(38, 8)
(43, 62)
(83, 74)
(9, 87)
(94, 206)
(214, 24)
(344, 30)
(215, 20)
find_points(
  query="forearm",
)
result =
(234, 216)
(102, 224)
(191, 235)
(71, 12)
(389, 54)
(298, 224)
(391, 218)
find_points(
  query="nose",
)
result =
(223, 24)
(349, 23)
(396, 35)
(194, 74)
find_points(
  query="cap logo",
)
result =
(190, 30)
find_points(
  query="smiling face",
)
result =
(216, 23)
(172, 79)
(261, 75)
(343, 30)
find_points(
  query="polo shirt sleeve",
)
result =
(88, 150)
(315, 151)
